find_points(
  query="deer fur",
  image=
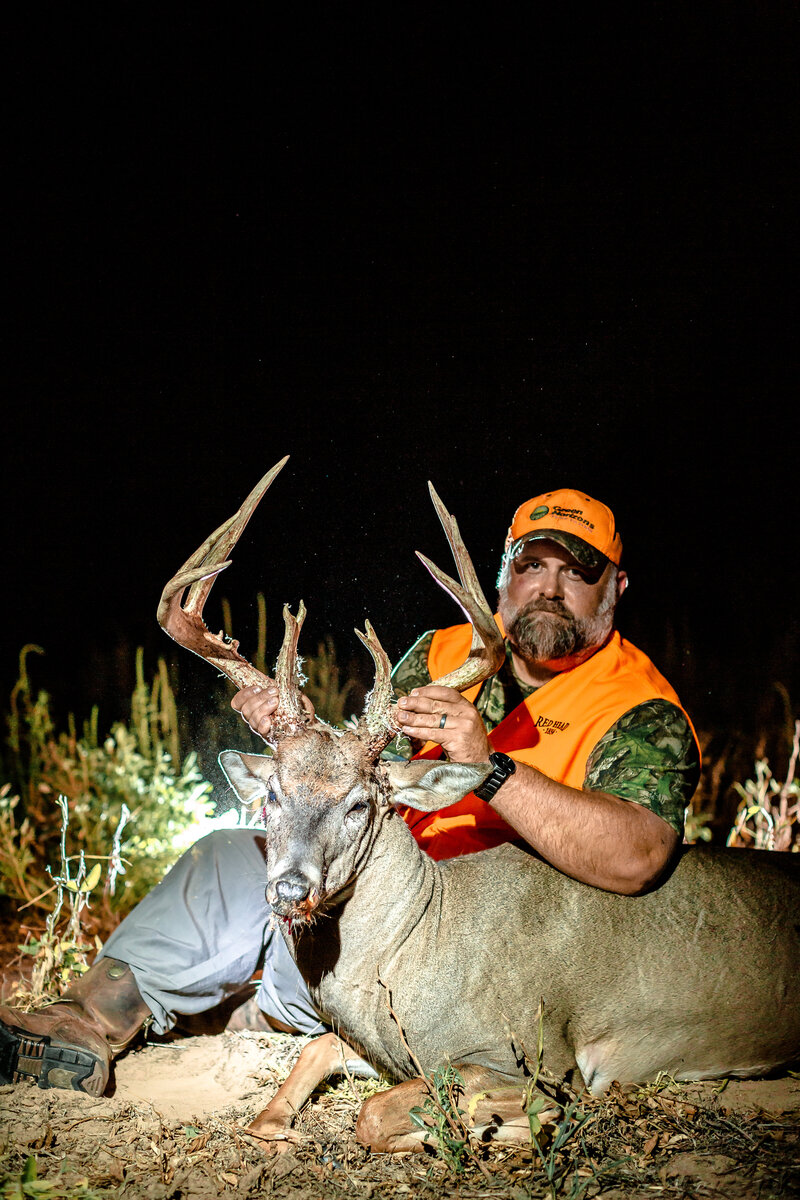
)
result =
(699, 978)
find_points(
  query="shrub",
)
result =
(136, 767)
(769, 811)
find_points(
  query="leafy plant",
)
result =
(442, 1119)
(61, 953)
(555, 1168)
(28, 1186)
(129, 794)
(17, 846)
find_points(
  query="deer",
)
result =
(472, 962)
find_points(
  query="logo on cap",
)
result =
(540, 511)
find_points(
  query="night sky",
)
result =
(505, 255)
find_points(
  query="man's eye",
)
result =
(359, 807)
(270, 797)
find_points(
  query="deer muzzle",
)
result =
(292, 895)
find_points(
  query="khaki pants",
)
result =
(203, 932)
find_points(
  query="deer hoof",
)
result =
(271, 1136)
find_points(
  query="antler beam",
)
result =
(185, 624)
(487, 651)
(486, 654)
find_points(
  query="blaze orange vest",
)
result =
(554, 730)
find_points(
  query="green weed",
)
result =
(129, 794)
(28, 1186)
(442, 1120)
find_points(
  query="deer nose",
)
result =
(292, 888)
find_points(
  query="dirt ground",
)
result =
(173, 1129)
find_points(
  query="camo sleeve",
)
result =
(650, 756)
(412, 670)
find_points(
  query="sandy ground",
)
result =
(173, 1127)
(238, 1073)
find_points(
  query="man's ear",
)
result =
(248, 774)
(427, 785)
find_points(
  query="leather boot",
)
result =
(71, 1043)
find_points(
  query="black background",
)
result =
(504, 252)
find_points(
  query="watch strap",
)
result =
(503, 768)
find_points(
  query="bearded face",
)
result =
(546, 630)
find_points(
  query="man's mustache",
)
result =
(543, 605)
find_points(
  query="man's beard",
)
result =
(546, 631)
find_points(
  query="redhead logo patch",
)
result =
(549, 725)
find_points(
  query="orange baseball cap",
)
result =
(580, 524)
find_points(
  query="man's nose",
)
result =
(549, 582)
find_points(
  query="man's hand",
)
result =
(463, 735)
(257, 706)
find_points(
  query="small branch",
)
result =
(792, 761)
(457, 1127)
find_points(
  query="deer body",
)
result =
(421, 964)
(698, 978)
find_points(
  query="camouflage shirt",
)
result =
(649, 755)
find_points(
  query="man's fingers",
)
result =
(431, 717)
(425, 710)
(435, 691)
(247, 695)
(256, 705)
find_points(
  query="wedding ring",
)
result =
(444, 718)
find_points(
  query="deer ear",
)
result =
(248, 774)
(427, 785)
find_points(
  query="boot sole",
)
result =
(49, 1064)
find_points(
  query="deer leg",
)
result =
(500, 1114)
(384, 1124)
(491, 1109)
(325, 1056)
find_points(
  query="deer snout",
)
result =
(292, 895)
(292, 889)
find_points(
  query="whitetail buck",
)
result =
(420, 963)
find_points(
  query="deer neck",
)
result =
(394, 893)
(399, 878)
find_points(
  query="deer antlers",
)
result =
(185, 625)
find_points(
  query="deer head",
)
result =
(323, 790)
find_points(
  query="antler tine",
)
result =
(487, 650)
(464, 565)
(223, 540)
(185, 625)
(290, 713)
(380, 723)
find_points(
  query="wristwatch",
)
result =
(503, 768)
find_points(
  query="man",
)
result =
(594, 764)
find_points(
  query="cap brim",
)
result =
(585, 554)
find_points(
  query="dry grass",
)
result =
(664, 1140)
